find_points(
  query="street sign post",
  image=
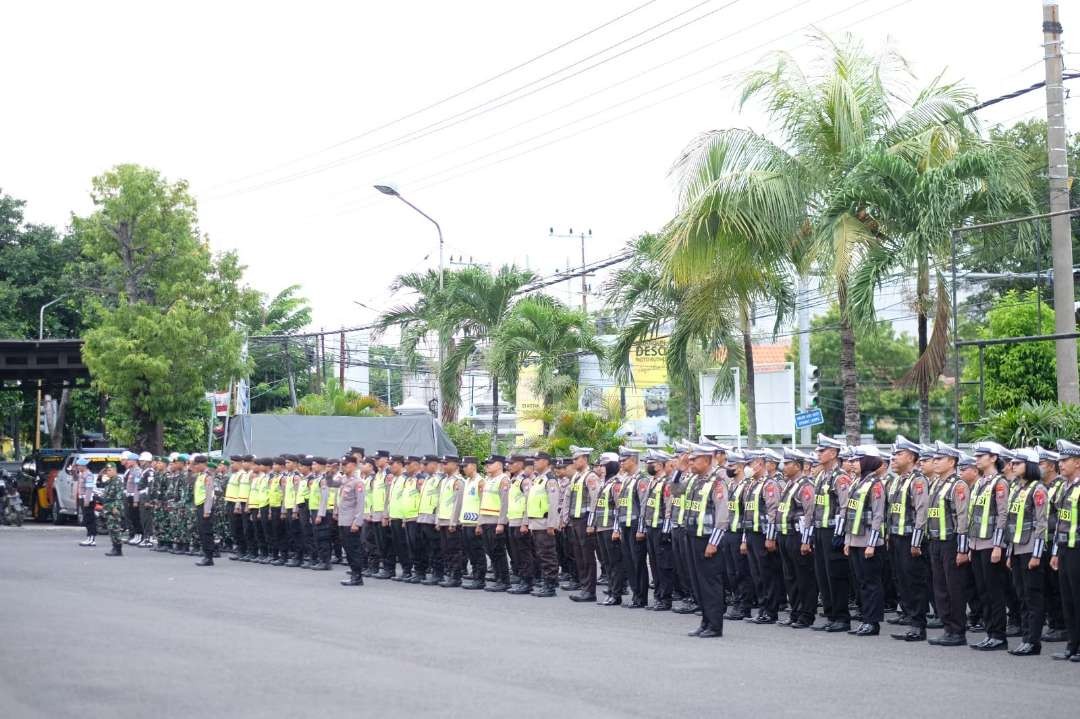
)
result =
(808, 418)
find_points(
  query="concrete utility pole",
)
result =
(584, 275)
(1060, 225)
(804, 352)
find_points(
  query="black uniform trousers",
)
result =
(680, 553)
(89, 518)
(418, 548)
(547, 557)
(495, 547)
(336, 541)
(400, 542)
(146, 517)
(206, 532)
(473, 544)
(1055, 619)
(767, 572)
(804, 590)
(737, 570)
(633, 554)
(1030, 585)
(832, 570)
(353, 544)
(707, 581)
(913, 575)
(990, 581)
(611, 555)
(452, 553)
(269, 533)
(239, 531)
(949, 585)
(431, 548)
(300, 522)
(258, 539)
(658, 546)
(564, 547)
(584, 545)
(870, 582)
(132, 515)
(1069, 576)
(277, 532)
(320, 532)
(522, 560)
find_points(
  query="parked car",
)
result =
(54, 494)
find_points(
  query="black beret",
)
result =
(290, 457)
(357, 450)
(413, 458)
(235, 458)
(348, 458)
(495, 458)
(198, 459)
(431, 458)
(384, 453)
(264, 462)
(305, 461)
(543, 455)
(318, 460)
(469, 460)
(398, 458)
(453, 458)
(248, 458)
(279, 460)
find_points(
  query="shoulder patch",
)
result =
(843, 480)
(877, 489)
(918, 485)
(1040, 497)
(642, 485)
(806, 493)
(961, 488)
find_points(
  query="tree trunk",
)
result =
(691, 408)
(922, 300)
(150, 435)
(56, 439)
(748, 382)
(849, 380)
(16, 434)
(494, 414)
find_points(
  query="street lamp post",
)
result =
(41, 336)
(392, 192)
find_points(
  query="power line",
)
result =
(448, 98)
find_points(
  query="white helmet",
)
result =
(146, 457)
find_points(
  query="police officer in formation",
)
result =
(988, 539)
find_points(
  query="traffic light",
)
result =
(813, 386)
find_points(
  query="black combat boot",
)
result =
(547, 589)
(205, 562)
(354, 580)
(117, 550)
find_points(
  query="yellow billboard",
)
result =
(528, 403)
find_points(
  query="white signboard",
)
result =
(774, 392)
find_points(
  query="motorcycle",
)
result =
(11, 506)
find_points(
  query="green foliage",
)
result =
(342, 403)
(285, 313)
(1031, 423)
(163, 308)
(882, 358)
(584, 429)
(379, 357)
(1012, 373)
(183, 433)
(468, 441)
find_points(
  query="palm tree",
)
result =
(648, 302)
(477, 304)
(913, 196)
(335, 401)
(428, 315)
(746, 195)
(542, 331)
(285, 313)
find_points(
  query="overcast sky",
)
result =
(283, 115)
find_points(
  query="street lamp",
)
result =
(392, 192)
(40, 336)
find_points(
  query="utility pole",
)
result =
(288, 368)
(804, 352)
(341, 362)
(1060, 225)
(584, 275)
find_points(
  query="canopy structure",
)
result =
(272, 434)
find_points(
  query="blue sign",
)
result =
(808, 418)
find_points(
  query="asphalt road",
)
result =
(151, 635)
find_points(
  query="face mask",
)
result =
(730, 472)
(651, 470)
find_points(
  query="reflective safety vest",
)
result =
(654, 504)
(515, 500)
(940, 519)
(856, 506)
(257, 497)
(681, 501)
(396, 505)
(232, 487)
(536, 504)
(603, 517)
(410, 499)
(789, 524)
(628, 506)
(367, 494)
(200, 489)
(1067, 518)
(429, 495)
(901, 513)
(491, 498)
(303, 490)
(470, 502)
(446, 498)
(985, 503)
(315, 494)
(577, 491)
(378, 492)
(752, 506)
(1054, 490)
(1020, 522)
(243, 486)
(276, 494)
(734, 506)
(699, 505)
(289, 502)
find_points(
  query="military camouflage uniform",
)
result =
(222, 529)
(113, 508)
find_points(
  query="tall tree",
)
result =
(164, 308)
(543, 331)
(478, 304)
(285, 313)
(828, 118)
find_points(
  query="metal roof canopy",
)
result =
(55, 361)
